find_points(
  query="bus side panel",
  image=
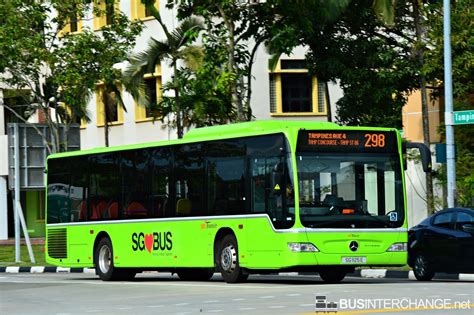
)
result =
(155, 244)
(160, 244)
(69, 246)
(268, 248)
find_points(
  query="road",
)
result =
(154, 293)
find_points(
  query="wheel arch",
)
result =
(220, 236)
(100, 235)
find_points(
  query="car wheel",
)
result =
(228, 261)
(332, 275)
(422, 268)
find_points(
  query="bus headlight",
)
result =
(302, 247)
(398, 247)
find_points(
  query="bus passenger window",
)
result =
(226, 177)
(136, 183)
(189, 178)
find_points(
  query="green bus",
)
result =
(256, 197)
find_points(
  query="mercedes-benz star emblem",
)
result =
(353, 246)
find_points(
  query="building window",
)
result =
(75, 120)
(104, 12)
(321, 96)
(140, 11)
(294, 92)
(114, 110)
(153, 90)
(73, 25)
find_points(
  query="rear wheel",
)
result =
(195, 274)
(332, 275)
(228, 260)
(422, 268)
(104, 263)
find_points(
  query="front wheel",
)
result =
(104, 263)
(228, 260)
(332, 275)
(422, 268)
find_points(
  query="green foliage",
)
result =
(175, 48)
(372, 63)
(230, 27)
(462, 44)
(58, 67)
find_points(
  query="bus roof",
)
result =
(251, 127)
(243, 129)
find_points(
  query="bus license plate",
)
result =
(354, 260)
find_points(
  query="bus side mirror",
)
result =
(424, 152)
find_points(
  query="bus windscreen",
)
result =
(349, 178)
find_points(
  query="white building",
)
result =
(287, 92)
(274, 95)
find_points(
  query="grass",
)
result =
(7, 256)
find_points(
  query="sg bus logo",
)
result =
(153, 241)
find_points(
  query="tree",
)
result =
(234, 31)
(175, 48)
(371, 61)
(462, 41)
(374, 49)
(60, 69)
(419, 52)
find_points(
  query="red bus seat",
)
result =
(112, 211)
(136, 209)
(98, 210)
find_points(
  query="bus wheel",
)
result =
(104, 263)
(195, 274)
(228, 260)
(422, 268)
(332, 275)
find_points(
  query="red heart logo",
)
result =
(149, 241)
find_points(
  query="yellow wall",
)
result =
(412, 119)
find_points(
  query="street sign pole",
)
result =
(448, 95)
(17, 194)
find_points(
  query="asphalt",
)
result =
(162, 293)
(361, 273)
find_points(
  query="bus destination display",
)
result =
(347, 140)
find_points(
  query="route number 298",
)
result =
(374, 140)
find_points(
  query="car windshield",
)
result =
(360, 190)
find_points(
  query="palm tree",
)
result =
(175, 48)
(111, 97)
